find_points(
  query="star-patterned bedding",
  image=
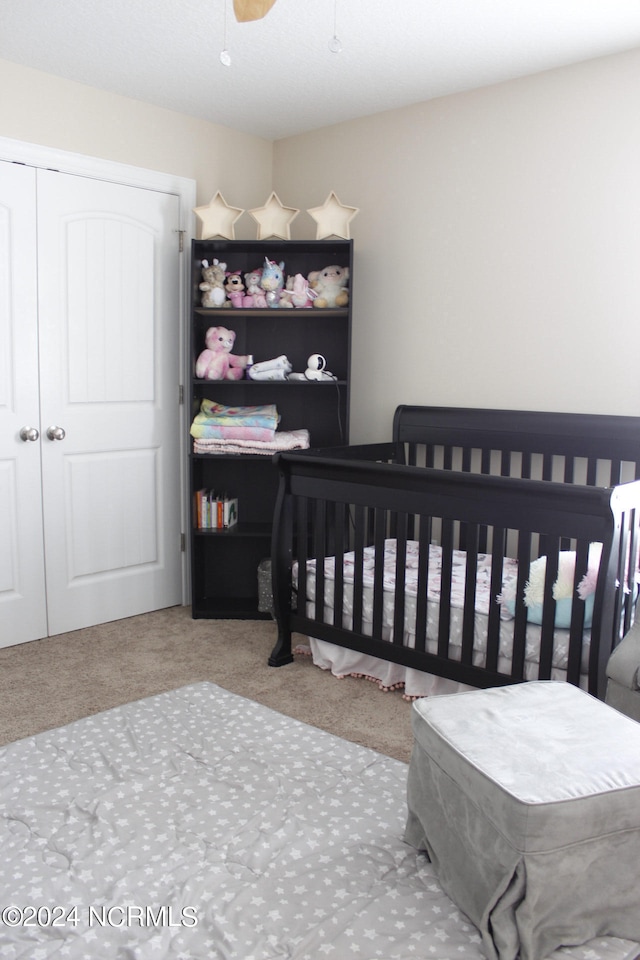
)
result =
(197, 824)
(343, 662)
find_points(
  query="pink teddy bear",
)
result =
(217, 362)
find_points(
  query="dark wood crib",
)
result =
(460, 491)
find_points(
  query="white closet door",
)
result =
(22, 588)
(108, 305)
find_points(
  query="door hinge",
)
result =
(181, 234)
(180, 394)
(183, 542)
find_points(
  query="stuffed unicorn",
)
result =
(272, 281)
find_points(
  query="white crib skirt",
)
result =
(345, 663)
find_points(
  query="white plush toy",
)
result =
(330, 286)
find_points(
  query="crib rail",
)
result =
(593, 450)
(329, 506)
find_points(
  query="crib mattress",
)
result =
(342, 661)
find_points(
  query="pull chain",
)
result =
(225, 56)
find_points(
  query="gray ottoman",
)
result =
(526, 799)
(623, 675)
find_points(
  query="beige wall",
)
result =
(498, 244)
(498, 241)
(57, 113)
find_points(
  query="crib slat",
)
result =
(547, 628)
(630, 564)
(380, 529)
(444, 615)
(576, 628)
(320, 551)
(470, 587)
(338, 584)
(623, 572)
(569, 469)
(424, 545)
(359, 538)
(520, 625)
(400, 579)
(497, 566)
(302, 532)
(569, 477)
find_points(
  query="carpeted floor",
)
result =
(50, 682)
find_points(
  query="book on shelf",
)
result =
(215, 511)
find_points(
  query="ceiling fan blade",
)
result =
(251, 9)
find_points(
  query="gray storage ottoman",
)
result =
(526, 798)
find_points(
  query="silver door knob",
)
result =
(55, 433)
(29, 433)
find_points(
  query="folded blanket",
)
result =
(268, 374)
(263, 415)
(208, 430)
(277, 363)
(284, 440)
(215, 421)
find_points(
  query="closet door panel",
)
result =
(109, 355)
(110, 311)
(103, 540)
(22, 588)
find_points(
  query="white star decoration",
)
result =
(333, 218)
(274, 219)
(217, 218)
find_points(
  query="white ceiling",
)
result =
(283, 79)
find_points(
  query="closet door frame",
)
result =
(35, 155)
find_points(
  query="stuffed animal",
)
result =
(330, 286)
(272, 281)
(212, 285)
(297, 293)
(217, 362)
(235, 289)
(254, 295)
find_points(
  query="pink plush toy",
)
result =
(297, 293)
(217, 362)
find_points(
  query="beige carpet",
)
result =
(51, 682)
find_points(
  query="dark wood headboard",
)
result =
(594, 449)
